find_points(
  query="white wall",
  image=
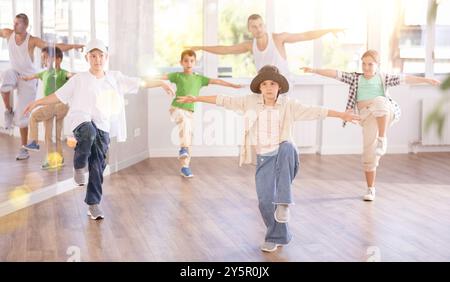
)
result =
(130, 35)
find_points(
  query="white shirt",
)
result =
(268, 130)
(99, 100)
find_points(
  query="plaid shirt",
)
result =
(352, 79)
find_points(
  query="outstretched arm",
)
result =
(195, 99)
(305, 36)
(38, 42)
(67, 47)
(50, 99)
(153, 83)
(225, 50)
(224, 83)
(324, 72)
(345, 116)
(411, 79)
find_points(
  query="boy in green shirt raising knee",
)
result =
(53, 78)
(188, 84)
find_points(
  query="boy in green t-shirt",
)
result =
(52, 78)
(188, 84)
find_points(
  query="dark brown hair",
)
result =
(53, 52)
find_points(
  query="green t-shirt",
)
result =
(369, 88)
(52, 80)
(187, 85)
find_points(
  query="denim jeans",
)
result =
(91, 149)
(274, 176)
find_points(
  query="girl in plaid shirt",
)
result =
(368, 95)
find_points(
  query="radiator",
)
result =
(431, 137)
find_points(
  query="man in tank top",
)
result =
(267, 49)
(21, 46)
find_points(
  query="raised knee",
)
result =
(287, 147)
(87, 132)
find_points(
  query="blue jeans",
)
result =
(91, 149)
(274, 176)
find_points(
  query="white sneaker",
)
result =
(22, 155)
(370, 196)
(95, 212)
(380, 150)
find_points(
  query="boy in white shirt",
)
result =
(97, 112)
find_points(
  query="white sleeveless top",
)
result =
(19, 57)
(271, 56)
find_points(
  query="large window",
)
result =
(410, 41)
(397, 29)
(101, 21)
(26, 7)
(62, 21)
(233, 15)
(73, 24)
(48, 20)
(62, 29)
(296, 17)
(344, 50)
(442, 45)
(177, 24)
(412, 36)
(7, 17)
(81, 29)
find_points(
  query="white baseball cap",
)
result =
(96, 44)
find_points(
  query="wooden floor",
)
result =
(152, 214)
(27, 174)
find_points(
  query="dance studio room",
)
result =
(225, 131)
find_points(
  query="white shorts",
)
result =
(26, 93)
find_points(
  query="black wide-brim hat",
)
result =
(269, 72)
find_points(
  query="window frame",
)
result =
(38, 26)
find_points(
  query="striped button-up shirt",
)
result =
(291, 110)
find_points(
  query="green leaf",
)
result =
(432, 12)
(437, 116)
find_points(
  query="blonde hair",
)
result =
(373, 54)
